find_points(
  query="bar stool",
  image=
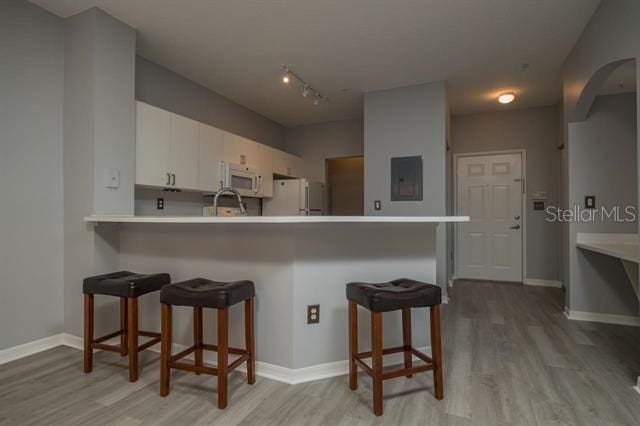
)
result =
(202, 293)
(399, 294)
(128, 286)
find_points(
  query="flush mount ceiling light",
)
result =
(506, 98)
(306, 87)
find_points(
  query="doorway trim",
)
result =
(523, 154)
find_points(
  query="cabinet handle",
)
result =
(168, 178)
(173, 176)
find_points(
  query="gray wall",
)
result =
(165, 89)
(31, 259)
(408, 121)
(317, 142)
(99, 132)
(603, 163)
(402, 122)
(612, 35)
(536, 131)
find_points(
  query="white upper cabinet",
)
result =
(239, 150)
(286, 164)
(184, 152)
(209, 157)
(153, 146)
(175, 152)
(265, 170)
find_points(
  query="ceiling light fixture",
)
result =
(506, 98)
(306, 87)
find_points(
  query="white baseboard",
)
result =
(542, 283)
(290, 376)
(30, 348)
(603, 318)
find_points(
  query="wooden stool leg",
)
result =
(406, 338)
(88, 333)
(132, 336)
(436, 351)
(353, 345)
(123, 326)
(223, 356)
(376, 361)
(249, 340)
(197, 335)
(165, 350)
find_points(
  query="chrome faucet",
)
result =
(243, 211)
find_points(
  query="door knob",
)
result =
(515, 227)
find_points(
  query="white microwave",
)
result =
(243, 179)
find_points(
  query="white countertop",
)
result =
(276, 219)
(622, 246)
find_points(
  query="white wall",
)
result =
(31, 257)
(603, 162)
(316, 143)
(536, 131)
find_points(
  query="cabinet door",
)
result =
(209, 157)
(252, 151)
(184, 152)
(265, 170)
(153, 146)
(233, 148)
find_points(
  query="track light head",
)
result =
(316, 101)
(305, 91)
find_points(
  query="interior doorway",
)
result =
(489, 189)
(345, 186)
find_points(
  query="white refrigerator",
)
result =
(295, 197)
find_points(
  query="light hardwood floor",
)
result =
(510, 355)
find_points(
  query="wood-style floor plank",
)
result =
(510, 358)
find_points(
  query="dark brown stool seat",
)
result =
(203, 293)
(207, 294)
(128, 286)
(394, 295)
(401, 294)
(125, 284)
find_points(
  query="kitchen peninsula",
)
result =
(295, 261)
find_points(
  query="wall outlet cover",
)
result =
(590, 202)
(160, 203)
(313, 314)
(377, 205)
(112, 177)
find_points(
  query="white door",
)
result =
(153, 146)
(489, 191)
(209, 158)
(184, 152)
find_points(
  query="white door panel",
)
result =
(489, 191)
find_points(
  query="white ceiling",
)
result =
(236, 47)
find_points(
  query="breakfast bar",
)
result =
(295, 262)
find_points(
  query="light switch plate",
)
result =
(113, 178)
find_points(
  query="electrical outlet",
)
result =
(377, 205)
(160, 203)
(313, 314)
(590, 202)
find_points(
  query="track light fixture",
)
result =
(306, 87)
